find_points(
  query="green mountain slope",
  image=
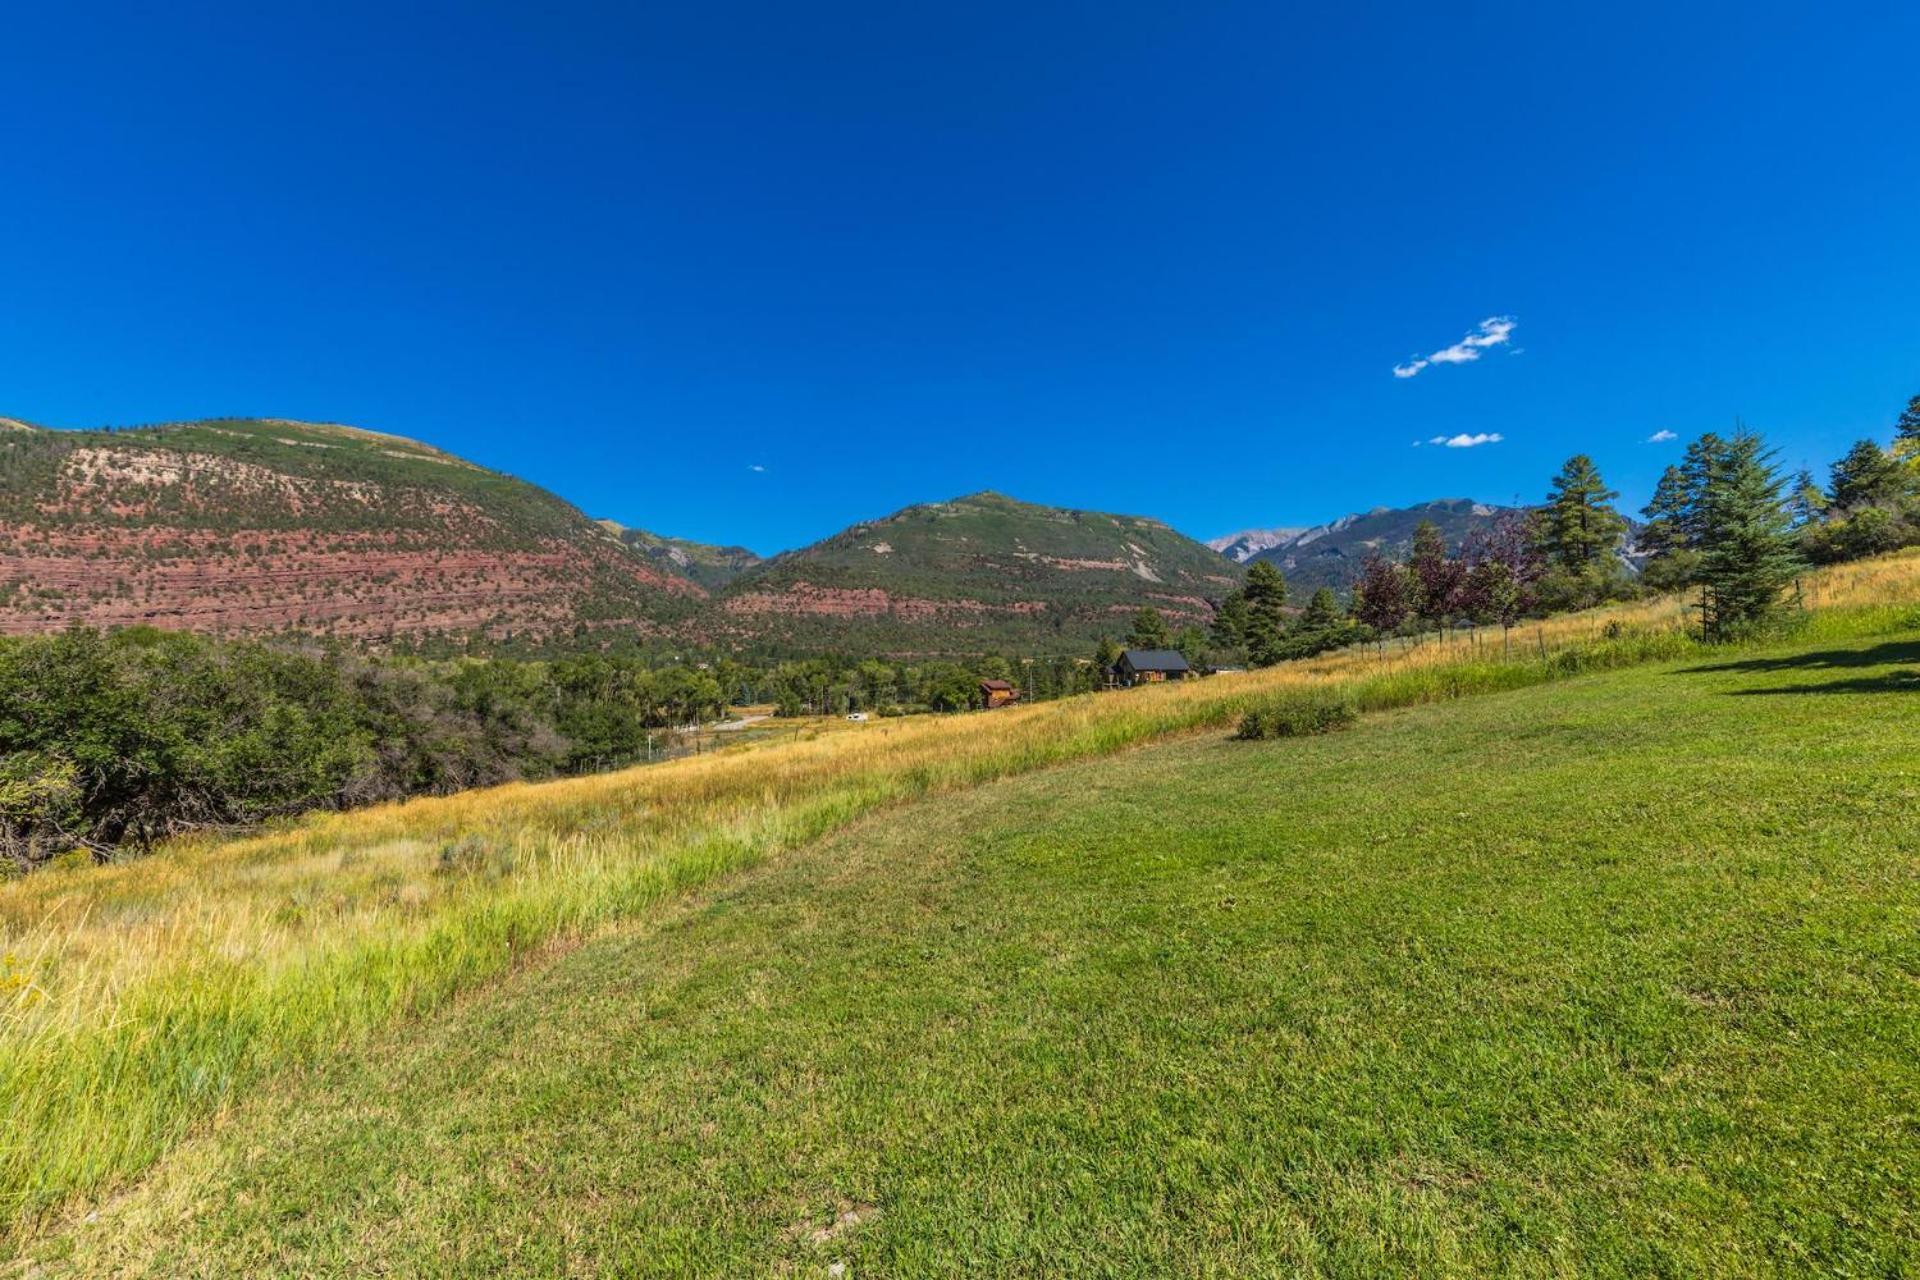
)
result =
(268, 525)
(711, 566)
(977, 573)
(1358, 1005)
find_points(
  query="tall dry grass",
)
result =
(137, 999)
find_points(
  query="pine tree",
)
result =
(1192, 644)
(1665, 528)
(1581, 529)
(1149, 630)
(1806, 500)
(1322, 612)
(1672, 531)
(1266, 587)
(1906, 434)
(1696, 478)
(1868, 476)
(1266, 625)
(1745, 539)
(1229, 630)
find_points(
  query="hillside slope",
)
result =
(711, 566)
(1357, 1005)
(974, 574)
(266, 525)
(1331, 555)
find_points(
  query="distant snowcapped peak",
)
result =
(1245, 545)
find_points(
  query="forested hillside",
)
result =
(268, 526)
(711, 566)
(974, 574)
(264, 525)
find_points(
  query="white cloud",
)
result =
(1661, 437)
(754, 466)
(1494, 331)
(1463, 440)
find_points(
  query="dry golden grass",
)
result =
(134, 999)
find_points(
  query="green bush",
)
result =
(1299, 713)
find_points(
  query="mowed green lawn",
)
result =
(1619, 976)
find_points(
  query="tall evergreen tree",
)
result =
(1806, 500)
(1745, 538)
(1666, 515)
(1229, 629)
(1580, 529)
(1266, 625)
(1321, 613)
(1149, 630)
(1192, 644)
(1867, 476)
(1906, 433)
(1696, 479)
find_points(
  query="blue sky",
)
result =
(750, 272)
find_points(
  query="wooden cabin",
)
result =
(1149, 666)
(997, 693)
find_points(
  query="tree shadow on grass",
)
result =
(1880, 655)
(1891, 682)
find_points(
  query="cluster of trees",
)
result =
(1871, 502)
(125, 737)
(1495, 578)
(1722, 523)
(1255, 620)
(121, 738)
(1719, 523)
(1720, 520)
(838, 685)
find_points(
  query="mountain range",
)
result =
(972, 574)
(1331, 554)
(267, 526)
(1245, 545)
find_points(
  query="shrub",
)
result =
(1299, 713)
(472, 855)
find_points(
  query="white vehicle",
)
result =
(857, 716)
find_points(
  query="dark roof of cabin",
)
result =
(1153, 659)
(995, 684)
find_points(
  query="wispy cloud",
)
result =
(1494, 331)
(754, 466)
(1463, 440)
(1661, 437)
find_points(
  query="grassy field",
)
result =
(140, 1000)
(1613, 977)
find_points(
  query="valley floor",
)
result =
(1618, 976)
